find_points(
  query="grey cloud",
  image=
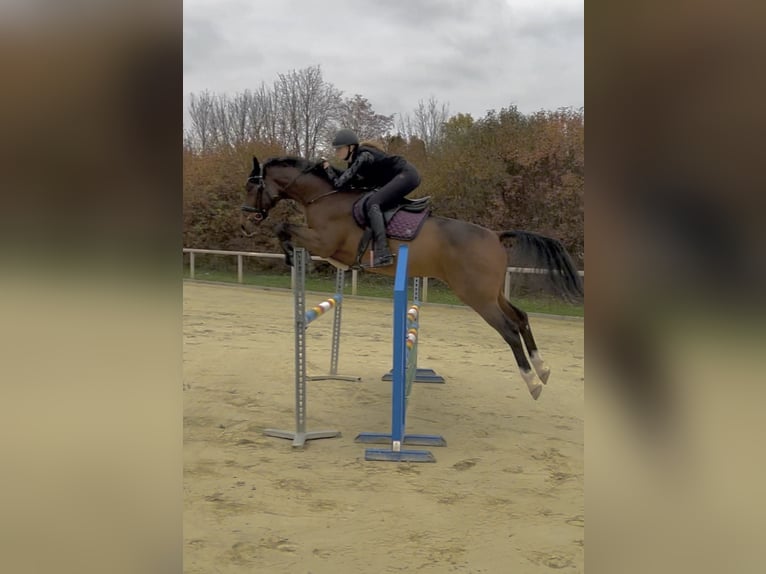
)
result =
(425, 14)
(475, 55)
(563, 26)
(201, 42)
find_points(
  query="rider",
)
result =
(369, 166)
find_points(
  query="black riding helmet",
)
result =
(345, 137)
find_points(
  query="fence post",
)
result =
(507, 287)
(354, 276)
(191, 264)
(239, 268)
(425, 290)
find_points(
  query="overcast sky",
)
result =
(475, 55)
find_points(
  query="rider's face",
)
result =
(341, 152)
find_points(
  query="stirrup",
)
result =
(383, 262)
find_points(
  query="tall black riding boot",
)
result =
(381, 254)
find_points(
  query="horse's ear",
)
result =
(256, 165)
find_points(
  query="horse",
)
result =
(469, 258)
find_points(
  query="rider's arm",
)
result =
(333, 172)
(363, 158)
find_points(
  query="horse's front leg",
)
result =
(291, 235)
(285, 241)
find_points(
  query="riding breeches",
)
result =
(391, 193)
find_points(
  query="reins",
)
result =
(303, 172)
(317, 198)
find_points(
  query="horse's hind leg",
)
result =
(474, 266)
(509, 331)
(519, 317)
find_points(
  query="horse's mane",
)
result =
(288, 161)
(296, 162)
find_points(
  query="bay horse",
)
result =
(469, 258)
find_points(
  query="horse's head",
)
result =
(258, 201)
(279, 178)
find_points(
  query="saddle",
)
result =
(403, 221)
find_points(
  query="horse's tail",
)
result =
(550, 254)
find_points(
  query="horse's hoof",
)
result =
(536, 391)
(543, 371)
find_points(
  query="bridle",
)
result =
(258, 212)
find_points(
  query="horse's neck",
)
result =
(330, 207)
(307, 192)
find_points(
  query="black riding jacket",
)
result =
(368, 167)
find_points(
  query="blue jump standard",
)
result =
(402, 377)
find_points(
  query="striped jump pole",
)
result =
(336, 303)
(422, 375)
(405, 351)
(302, 320)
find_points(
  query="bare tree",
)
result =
(357, 114)
(239, 117)
(286, 99)
(426, 123)
(306, 106)
(263, 116)
(320, 104)
(212, 121)
(188, 141)
(201, 119)
(221, 126)
(295, 113)
(404, 127)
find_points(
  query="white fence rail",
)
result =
(240, 255)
